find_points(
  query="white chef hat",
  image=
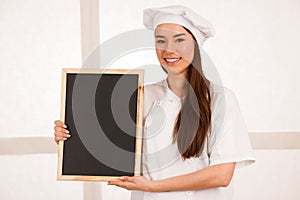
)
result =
(200, 27)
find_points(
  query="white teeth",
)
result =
(172, 59)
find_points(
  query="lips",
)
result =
(172, 61)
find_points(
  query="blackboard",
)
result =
(103, 111)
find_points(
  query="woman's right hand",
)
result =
(61, 133)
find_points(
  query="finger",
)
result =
(60, 139)
(57, 139)
(61, 134)
(59, 129)
(60, 123)
(116, 183)
(127, 178)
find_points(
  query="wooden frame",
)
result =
(76, 135)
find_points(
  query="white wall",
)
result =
(274, 176)
(34, 177)
(37, 39)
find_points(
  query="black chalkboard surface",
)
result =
(103, 111)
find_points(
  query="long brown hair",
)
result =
(193, 121)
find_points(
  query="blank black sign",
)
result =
(101, 115)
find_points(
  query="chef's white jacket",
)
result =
(227, 141)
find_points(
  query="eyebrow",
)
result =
(180, 34)
(177, 35)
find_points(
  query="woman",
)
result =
(195, 136)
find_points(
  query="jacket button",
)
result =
(148, 122)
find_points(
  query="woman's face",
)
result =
(174, 48)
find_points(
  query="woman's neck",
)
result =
(177, 83)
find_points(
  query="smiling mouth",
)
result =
(172, 61)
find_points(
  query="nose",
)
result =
(170, 47)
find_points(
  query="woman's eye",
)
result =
(160, 41)
(179, 40)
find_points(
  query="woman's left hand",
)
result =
(134, 183)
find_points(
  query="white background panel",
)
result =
(37, 39)
(34, 177)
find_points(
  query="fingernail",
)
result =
(68, 136)
(67, 131)
(65, 126)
